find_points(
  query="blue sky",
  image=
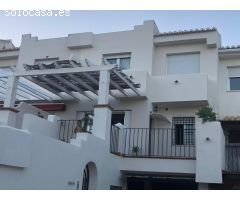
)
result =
(227, 23)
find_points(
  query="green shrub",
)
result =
(136, 149)
(207, 114)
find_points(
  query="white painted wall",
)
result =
(25, 108)
(138, 42)
(15, 147)
(29, 160)
(228, 100)
(188, 88)
(140, 110)
(158, 165)
(208, 67)
(35, 124)
(169, 112)
(8, 117)
(4, 62)
(209, 150)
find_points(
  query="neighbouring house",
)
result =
(118, 111)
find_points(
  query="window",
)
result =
(183, 63)
(123, 61)
(234, 78)
(184, 130)
(117, 117)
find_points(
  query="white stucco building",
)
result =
(118, 111)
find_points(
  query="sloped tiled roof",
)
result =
(181, 32)
(9, 49)
(232, 118)
(7, 45)
(230, 47)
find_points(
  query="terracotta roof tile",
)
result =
(229, 47)
(232, 118)
(181, 32)
(10, 49)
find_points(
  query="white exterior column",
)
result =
(210, 151)
(103, 92)
(11, 92)
(102, 111)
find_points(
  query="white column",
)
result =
(11, 91)
(102, 111)
(103, 92)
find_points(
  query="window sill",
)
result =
(233, 91)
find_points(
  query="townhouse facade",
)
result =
(118, 111)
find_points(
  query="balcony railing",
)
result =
(232, 158)
(114, 139)
(69, 128)
(153, 143)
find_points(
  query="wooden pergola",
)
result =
(71, 77)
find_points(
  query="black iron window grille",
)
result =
(184, 130)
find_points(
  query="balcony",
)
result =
(152, 143)
(140, 142)
(68, 129)
(179, 89)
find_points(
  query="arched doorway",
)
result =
(89, 181)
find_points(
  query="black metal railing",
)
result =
(232, 157)
(155, 143)
(69, 129)
(114, 139)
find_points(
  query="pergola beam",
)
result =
(88, 76)
(43, 85)
(59, 71)
(33, 91)
(1, 86)
(112, 82)
(126, 81)
(82, 83)
(54, 84)
(68, 83)
(28, 90)
(71, 85)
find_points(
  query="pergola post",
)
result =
(103, 92)
(102, 111)
(11, 92)
(8, 114)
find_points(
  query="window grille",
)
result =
(184, 130)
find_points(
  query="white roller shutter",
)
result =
(183, 63)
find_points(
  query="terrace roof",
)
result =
(75, 79)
